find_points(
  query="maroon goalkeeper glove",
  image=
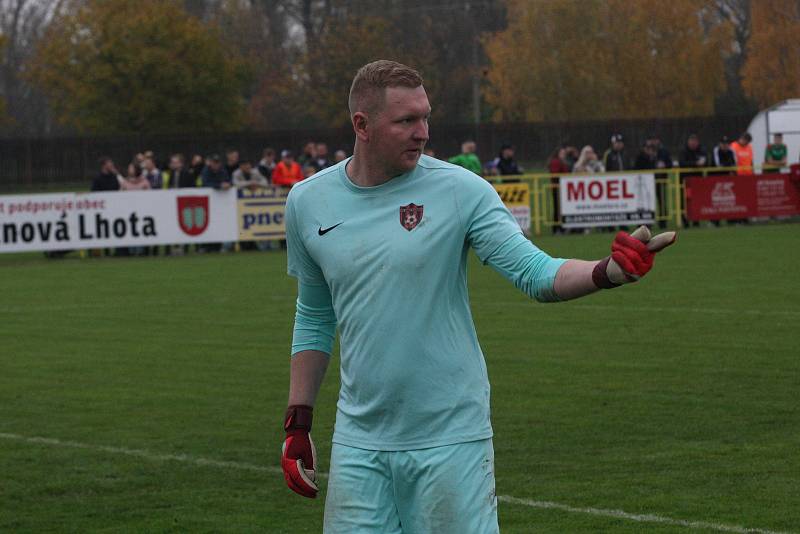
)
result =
(299, 458)
(631, 257)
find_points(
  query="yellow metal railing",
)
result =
(670, 199)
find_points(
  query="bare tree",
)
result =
(22, 23)
(445, 36)
(737, 14)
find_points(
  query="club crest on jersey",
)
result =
(410, 216)
(193, 214)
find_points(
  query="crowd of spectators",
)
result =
(284, 169)
(652, 155)
(145, 171)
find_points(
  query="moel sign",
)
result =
(613, 189)
(608, 200)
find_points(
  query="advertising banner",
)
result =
(517, 199)
(65, 221)
(262, 213)
(590, 201)
(739, 197)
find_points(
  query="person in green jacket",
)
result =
(775, 155)
(467, 159)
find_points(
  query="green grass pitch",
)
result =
(158, 387)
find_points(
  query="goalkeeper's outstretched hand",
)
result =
(631, 257)
(299, 457)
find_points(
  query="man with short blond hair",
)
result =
(379, 244)
(367, 92)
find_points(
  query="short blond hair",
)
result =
(372, 80)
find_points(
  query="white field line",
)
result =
(641, 518)
(546, 505)
(146, 455)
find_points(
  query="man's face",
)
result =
(399, 131)
(246, 167)
(508, 153)
(148, 164)
(693, 143)
(214, 164)
(233, 157)
(322, 150)
(778, 139)
(743, 141)
(618, 145)
(175, 164)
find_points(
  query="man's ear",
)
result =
(360, 122)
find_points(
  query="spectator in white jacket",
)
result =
(588, 161)
(247, 176)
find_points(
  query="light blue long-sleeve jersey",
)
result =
(393, 278)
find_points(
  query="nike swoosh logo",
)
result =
(322, 231)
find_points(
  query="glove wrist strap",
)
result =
(298, 417)
(600, 275)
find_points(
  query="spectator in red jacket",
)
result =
(287, 172)
(558, 163)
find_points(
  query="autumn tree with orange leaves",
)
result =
(598, 59)
(772, 71)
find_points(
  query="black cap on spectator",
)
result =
(724, 139)
(616, 138)
(505, 146)
(286, 153)
(215, 158)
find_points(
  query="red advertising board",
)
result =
(739, 197)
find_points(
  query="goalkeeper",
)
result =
(379, 244)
